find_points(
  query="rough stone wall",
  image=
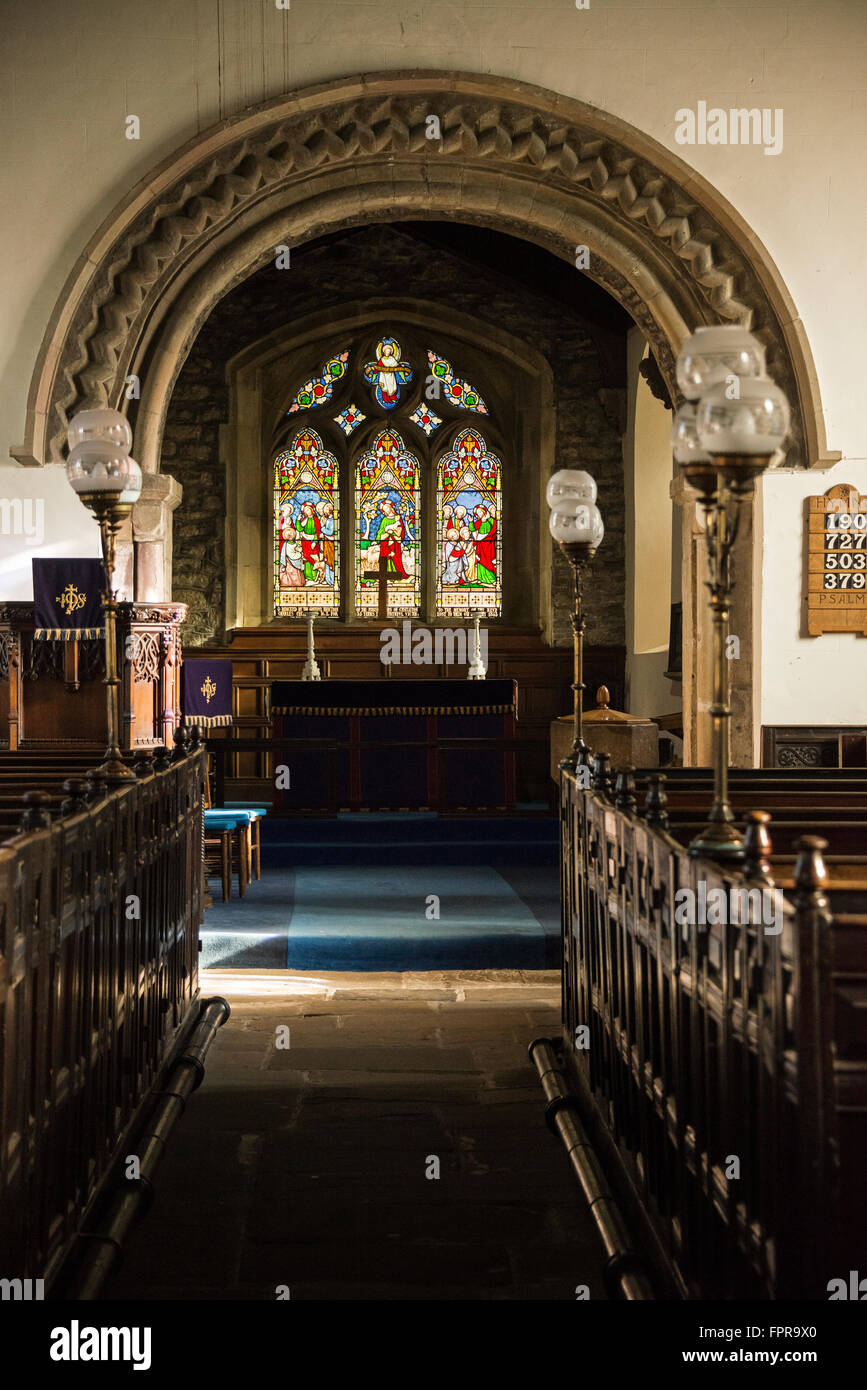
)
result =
(376, 262)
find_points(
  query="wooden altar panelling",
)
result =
(53, 693)
(263, 655)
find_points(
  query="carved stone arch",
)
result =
(512, 155)
(250, 436)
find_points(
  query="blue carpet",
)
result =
(351, 893)
(375, 918)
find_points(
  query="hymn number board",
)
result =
(837, 563)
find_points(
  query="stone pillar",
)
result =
(124, 564)
(152, 537)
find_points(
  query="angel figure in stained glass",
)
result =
(388, 374)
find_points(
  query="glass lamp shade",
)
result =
(98, 466)
(684, 437)
(104, 424)
(132, 487)
(755, 424)
(582, 523)
(714, 353)
(569, 489)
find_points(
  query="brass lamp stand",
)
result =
(725, 476)
(111, 513)
(579, 554)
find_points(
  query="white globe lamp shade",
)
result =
(98, 466)
(132, 487)
(684, 437)
(581, 524)
(754, 423)
(715, 353)
(568, 488)
(100, 424)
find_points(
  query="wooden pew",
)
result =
(668, 1008)
(95, 1001)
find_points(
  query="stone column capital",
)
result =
(160, 495)
(680, 491)
(686, 497)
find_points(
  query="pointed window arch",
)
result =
(388, 508)
(306, 529)
(468, 543)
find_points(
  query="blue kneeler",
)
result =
(235, 833)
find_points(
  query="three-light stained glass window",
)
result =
(419, 486)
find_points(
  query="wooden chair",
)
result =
(256, 813)
(254, 844)
(228, 837)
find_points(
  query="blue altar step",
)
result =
(358, 893)
(414, 837)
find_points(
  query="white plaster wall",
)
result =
(50, 523)
(73, 69)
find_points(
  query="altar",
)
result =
(437, 745)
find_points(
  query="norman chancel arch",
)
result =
(354, 152)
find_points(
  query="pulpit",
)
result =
(444, 745)
(52, 693)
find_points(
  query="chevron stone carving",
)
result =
(524, 140)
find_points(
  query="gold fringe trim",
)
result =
(391, 709)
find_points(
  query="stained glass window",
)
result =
(388, 374)
(387, 509)
(426, 419)
(319, 389)
(306, 530)
(468, 545)
(389, 403)
(349, 419)
(452, 388)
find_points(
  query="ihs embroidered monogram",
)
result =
(71, 599)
